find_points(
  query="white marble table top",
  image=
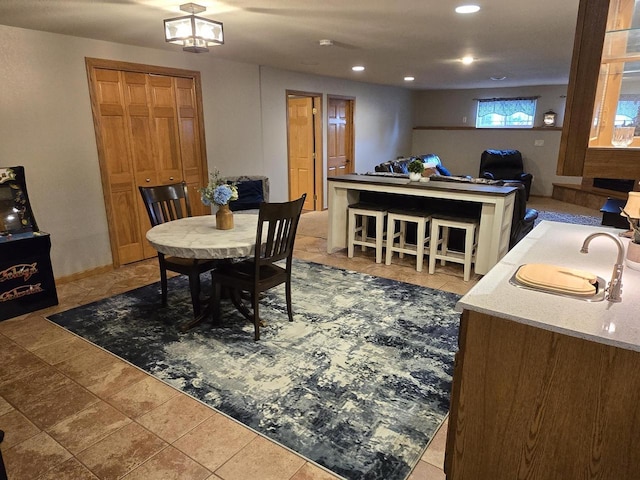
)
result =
(198, 237)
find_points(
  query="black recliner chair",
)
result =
(523, 218)
(505, 165)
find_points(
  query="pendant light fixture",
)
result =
(194, 34)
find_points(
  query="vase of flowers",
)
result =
(415, 168)
(220, 193)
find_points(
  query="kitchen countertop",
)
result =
(616, 324)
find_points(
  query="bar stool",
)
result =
(467, 257)
(359, 214)
(421, 219)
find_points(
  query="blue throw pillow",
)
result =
(250, 195)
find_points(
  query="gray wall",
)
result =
(46, 126)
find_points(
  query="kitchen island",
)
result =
(496, 203)
(546, 386)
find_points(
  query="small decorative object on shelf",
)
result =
(415, 168)
(549, 119)
(622, 136)
(220, 194)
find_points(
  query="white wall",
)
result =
(382, 121)
(46, 126)
(460, 150)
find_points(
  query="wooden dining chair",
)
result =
(171, 202)
(276, 232)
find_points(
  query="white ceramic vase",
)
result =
(633, 256)
(414, 177)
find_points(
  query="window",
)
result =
(627, 111)
(506, 112)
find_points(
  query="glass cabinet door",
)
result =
(616, 117)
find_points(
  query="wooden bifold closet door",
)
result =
(149, 131)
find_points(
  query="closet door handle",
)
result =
(148, 180)
(171, 178)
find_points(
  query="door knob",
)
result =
(148, 180)
(170, 178)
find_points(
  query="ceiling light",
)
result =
(467, 60)
(193, 33)
(357, 68)
(409, 79)
(325, 42)
(497, 78)
(467, 9)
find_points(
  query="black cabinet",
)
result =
(26, 276)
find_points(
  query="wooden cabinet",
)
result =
(604, 76)
(149, 131)
(531, 403)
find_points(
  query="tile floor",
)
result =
(72, 411)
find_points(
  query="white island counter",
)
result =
(616, 324)
(547, 387)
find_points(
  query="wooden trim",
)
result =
(612, 163)
(583, 79)
(85, 274)
(490, 129)
(139, 68)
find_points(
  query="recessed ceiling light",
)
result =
(409, 79)
(325, 42)
(497, 78)
(467, 9)
(357, 68)
(467, 60)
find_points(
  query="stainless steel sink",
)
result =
(596, 297)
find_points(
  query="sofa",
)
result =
(400, 165)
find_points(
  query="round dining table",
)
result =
(198, 238)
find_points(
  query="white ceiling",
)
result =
(528, 41)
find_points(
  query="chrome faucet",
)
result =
(614, 290)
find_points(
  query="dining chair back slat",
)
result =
(165, 203)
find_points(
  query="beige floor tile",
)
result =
(434, 454)
(34, 331)
(101, 373)
(121, 452)
(174, 418)
(426, 471)
(87, 427)
(5, 407)
(33, 457)
(169, 464)
(15, 362)
(47, 397)
(72, 469)
(17, 428)
(309, 471)
(261, 459)
(64, 349)
(141, 397)
(215, 441)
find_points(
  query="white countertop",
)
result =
(554, 243)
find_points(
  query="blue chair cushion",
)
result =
(250, 195)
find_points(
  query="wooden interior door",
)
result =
(118, 173)
(149, 131)
(339, 136)
(301, 150)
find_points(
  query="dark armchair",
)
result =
(505, 165)
(523, 218)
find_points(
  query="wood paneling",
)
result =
(530, 403)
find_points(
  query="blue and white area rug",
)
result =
(358, 383)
